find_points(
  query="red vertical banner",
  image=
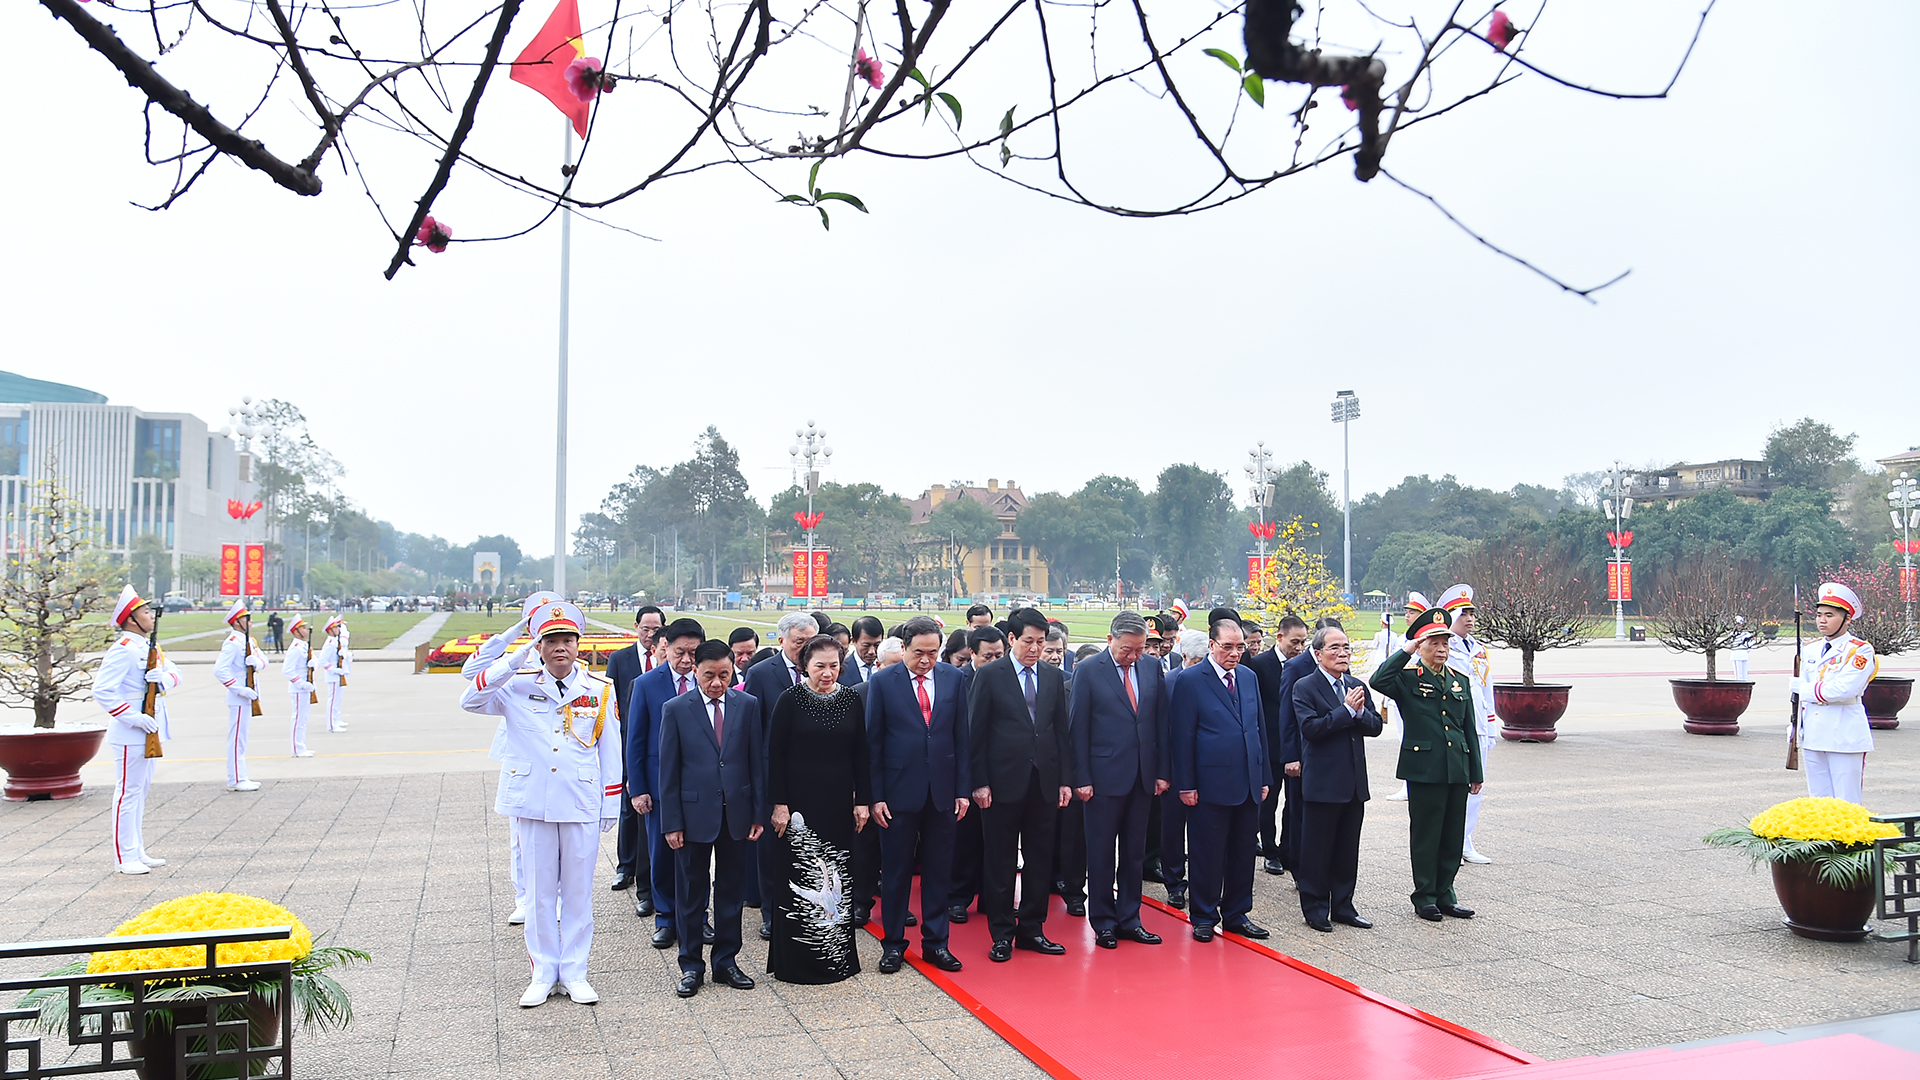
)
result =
(819, 573)
(1619, 581)
(1909, 584)
(802, 580)
(256, 570)
(1255, 564)
(229, 569)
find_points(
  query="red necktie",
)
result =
(926, 706)
(1126, 680)
(1230, 690)
(719, 722)
(646, 661)
(683, 685)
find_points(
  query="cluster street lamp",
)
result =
(1905, 500)
(811, 447)
(1617, 504)
(1346, 409)
(1259, 471)
(249, 421)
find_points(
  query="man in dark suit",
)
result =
(647, 697)
(863, 657)
(1221, 769)
(917, 749)
(1336, 717)
(1118, 717)
(1293, 809)
(1017, 731)
(985, 644)
(767, 680)
(624, 666)
(744, 642)
(713, 805)
(1069, 874)
(866, 842)
(1269, 668)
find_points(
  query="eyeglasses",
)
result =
(1343, 647)
(1224, 647)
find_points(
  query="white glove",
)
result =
(607, 823)
(519, 656)
(1796, 686)
(159, 677)
(303, 687)
(248, 693)
(145, 723)
(258, 660)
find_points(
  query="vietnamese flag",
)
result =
(543, 63)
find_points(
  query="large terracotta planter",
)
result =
(1884, 698)
(263, 1027)
(1819, 911)
(43, 764)
(1529, 713)
(1712, 706)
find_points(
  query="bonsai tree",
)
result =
(51, 585)
(1883, 619)
(1707, 600)
(1529, 595)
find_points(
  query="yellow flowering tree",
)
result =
(1294, 582)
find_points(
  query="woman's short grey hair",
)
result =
(794, 620)
(1192, 644)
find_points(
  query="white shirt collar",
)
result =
(1218, 671)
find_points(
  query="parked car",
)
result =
(176, 603)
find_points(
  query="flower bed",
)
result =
(594, 649)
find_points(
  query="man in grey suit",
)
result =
(713, 806)
(1117, 722)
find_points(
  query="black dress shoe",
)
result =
(734, 977)
(644, 907)
(766, 932)
(1354, 921)
(1246, 928)
(665, 938)
(1153, 874)
(891, 959)
(1275, 867)
(1039, 943)
(941, 957)
(1202, 932)
(1001, 952)
(1321, 925)
(957, 914)
(1455, 911)
(1140, 934)
(1429, 912)
(622, 882)
(861, 917)
(912, 919)
(706, 934)
(689, 984)
(1106, 939)
(1077, 908)
(1177, 898)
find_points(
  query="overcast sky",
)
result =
(965, 330)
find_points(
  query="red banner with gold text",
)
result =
(1619, 581)
(256, 570)
(229, 569)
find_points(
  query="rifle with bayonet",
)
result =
(1793, 721)
(151, 705)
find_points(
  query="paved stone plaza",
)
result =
(1604, 924)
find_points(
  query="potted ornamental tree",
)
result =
(1701, 606)
(1883, 623)
(1821, 854)
(1531, 596)
(50, 590)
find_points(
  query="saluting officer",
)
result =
(483, 657)
(120, 687)
(1439, 760)
(1385, 644)
(1468, 655)
(561, 762)
(239, 659)
(1834, 733)
(336, 663)
(294, 666)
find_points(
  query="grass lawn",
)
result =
(371, 631)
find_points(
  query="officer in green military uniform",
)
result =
(1439, 759)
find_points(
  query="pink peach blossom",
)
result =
(1348, 98)
(584, 78)
(432, 235)
(868, 68)
(1502, 32)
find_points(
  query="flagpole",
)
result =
(560, 435)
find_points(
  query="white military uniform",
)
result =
(336, 663)
(1468, 656)
(239, 659)
(483, 657)
(1742, 651)
(120, 687)
(1834, 734)
(562, 768)
(293, 665)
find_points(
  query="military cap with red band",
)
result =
(1430, 622)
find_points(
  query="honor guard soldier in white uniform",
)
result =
(336, 663)
(298, 667)
(239, 659)
(1385, 644)
(1834, 735)
(131, 665)
(1468, 655)
(483, 657)
(1742, 648)
(562, 763)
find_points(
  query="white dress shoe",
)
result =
(304, 753)
(519, 916)
(581, 992)
(536, 995)
(151, 861)
(134, 868)
(1399, 796)
(1472, 856)
(245, 785)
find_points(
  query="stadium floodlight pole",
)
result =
(1346, 409)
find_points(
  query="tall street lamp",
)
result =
(250, 421)
(1905, 499)
(1259, 470)
(811, 447)
(1617, 504)
(1346, 409)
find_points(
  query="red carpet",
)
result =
(1182, 1009)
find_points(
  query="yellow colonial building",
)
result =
(1005, 566)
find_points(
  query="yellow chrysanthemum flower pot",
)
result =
(1820, 853)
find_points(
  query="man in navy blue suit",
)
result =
(1117, 721)
(1336, 717)
(1218, 745)
(985, 644)
(633, 862)
(1293, 809)
(646, 699)
(917, 749)
(1290, 640)
(713, 805)
(863, 652)
(766, 681)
